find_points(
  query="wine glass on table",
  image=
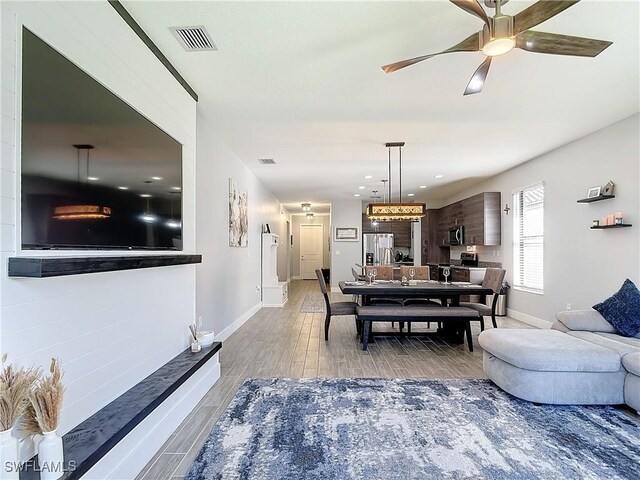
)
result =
(370, 274)
(412, 272)
(446, 271)
(375, 273)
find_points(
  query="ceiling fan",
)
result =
(502, 33)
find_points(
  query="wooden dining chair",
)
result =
(336, 308)
(358, 276)
(493, 278)
(420, 273)
(385, 272)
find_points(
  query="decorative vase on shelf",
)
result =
(9, 466)
(51, 456)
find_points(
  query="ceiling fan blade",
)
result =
(473, 7)
(538, 13)
(556, 44)
(469, 44)
(479, 76)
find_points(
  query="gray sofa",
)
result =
(579, 361)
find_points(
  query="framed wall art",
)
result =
(346, 234)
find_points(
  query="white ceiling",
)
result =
(300, 82)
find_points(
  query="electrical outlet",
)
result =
(257, 288)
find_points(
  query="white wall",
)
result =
(229, 277)
(296, 221)
(109, 329)
(582, 266)
(344, 255)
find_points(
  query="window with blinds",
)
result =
(528, 238)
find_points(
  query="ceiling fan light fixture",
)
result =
(306, 207)
(498, 46)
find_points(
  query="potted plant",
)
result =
(46, 401)
(15, 386)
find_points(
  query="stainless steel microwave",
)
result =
(456, 235)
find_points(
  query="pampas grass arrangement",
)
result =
(15, 386)
(46, 400)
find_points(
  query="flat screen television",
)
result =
(95, 173)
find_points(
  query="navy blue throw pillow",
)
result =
(622, 309)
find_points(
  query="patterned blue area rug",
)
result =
(411, 429)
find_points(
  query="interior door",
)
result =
(310, 251)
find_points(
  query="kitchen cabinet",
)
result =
(401, 234)
(401, 231)
(431, 250)
(434, 272)
(481, 219)
(479, 215)
(459, 274)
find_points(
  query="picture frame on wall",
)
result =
(594, 192)
(346, 234)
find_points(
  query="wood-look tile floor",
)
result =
(283, 342)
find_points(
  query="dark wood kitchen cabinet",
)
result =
(459, 274)
(401, 234)
(432, 252)
(481, 219)
(401, 231)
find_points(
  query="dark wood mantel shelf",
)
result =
(41, 267)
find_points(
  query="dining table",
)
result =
(451, 291)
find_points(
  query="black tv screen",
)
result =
(96, 174)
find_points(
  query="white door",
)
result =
(310, 250)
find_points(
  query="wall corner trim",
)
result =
(126, 16)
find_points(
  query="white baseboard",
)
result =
(528, 319)
(227, 332)
(133, 452)
(296, 277)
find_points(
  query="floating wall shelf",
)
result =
(40, 267)
(604, 227)
(596, 199)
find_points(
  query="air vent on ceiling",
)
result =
(194, 39)
(267, 161)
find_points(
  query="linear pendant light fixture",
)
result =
(398, 211)
(82, 211)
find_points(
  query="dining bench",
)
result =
(463, 316)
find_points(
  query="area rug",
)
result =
(312, 303)
(411, 429)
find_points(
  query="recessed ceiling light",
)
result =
(156, 178)
(368, 177)
(410, 194)
(361, 187)
(92, 179)
(145, 195)
(423, 186)
(123, 188)
(438, 176)
(356, 194)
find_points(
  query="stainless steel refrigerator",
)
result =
(377, 248)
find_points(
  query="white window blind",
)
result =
(528, 238)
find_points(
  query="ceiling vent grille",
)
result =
(267, 161)
(194, 39)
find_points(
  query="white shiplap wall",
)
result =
(110, 329)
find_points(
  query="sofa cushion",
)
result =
(619, 344)
(586, 320)
(622, 309)
(548, 350)
(631, 362)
